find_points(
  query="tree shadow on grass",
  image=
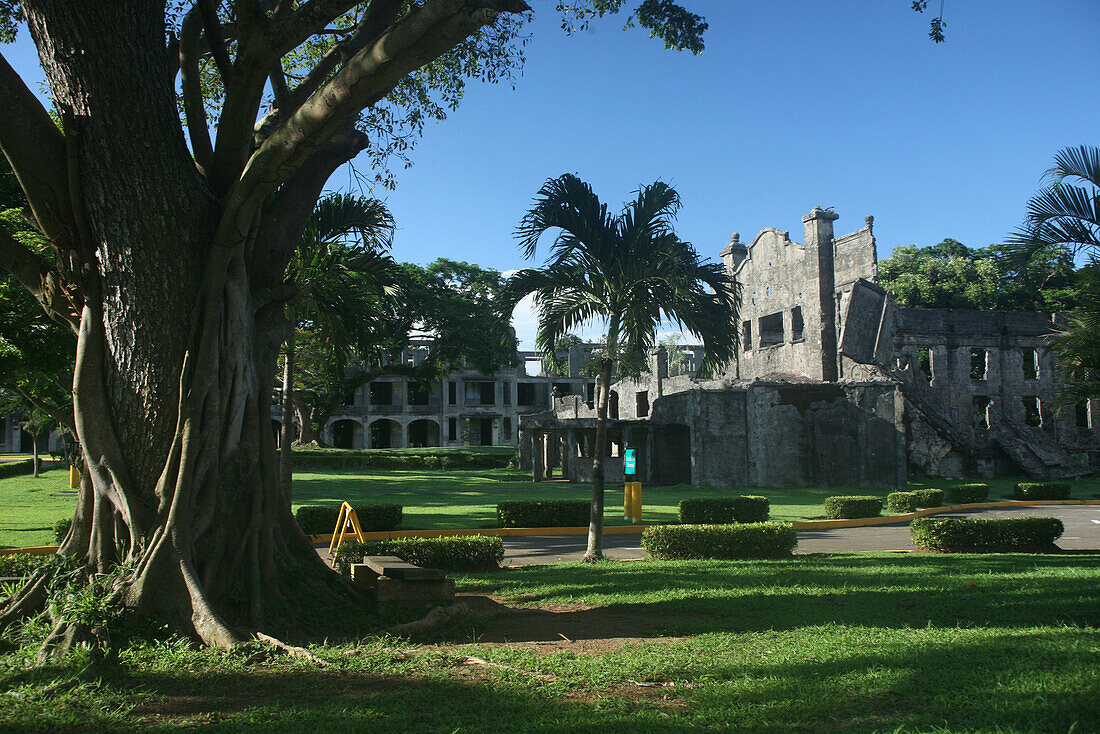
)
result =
(913, 591)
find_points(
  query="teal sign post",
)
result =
(630, 461)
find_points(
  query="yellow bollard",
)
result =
(74, 478)
(632, 501)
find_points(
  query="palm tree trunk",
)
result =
(595, 522)
(286, 430)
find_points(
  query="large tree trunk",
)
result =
(303, 413)
(594, 552)
(176, 358)
(170, 268)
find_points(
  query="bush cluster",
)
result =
(747, 508)
(462, 553)
(850, 507)
(61, 528)
(543, 513)
(972, 534)
(325, 460)
(23, 564)
(321, 519)
(1042, 491)
(16, 468)
(902, 502)
(736, 540)
(967, 493)
(929, 497)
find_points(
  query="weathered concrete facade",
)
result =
(762, 434)
(838, 385)
(466, 408)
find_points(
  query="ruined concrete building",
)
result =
(466, 408)
(836, 385)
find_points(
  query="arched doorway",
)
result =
(613, 405)
(385, 434)
(343, 434)
(423, 433)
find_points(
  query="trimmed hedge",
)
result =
(851, 507)
(321, 519)
(902, 502)
(967, 493)
(746, 508)
(61, 528)
(24, 564)
(16, 468)
(377, 459)
(544, 513)
(461, 553)
(733, 541)
(1042, 491)
(929, 497)
(971, 534)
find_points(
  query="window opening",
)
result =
(641, 401)
(771, 330)
(1032, 415)
(746, 335)
(381, 393)
(1030, 364)
(452, 429)
(978, 364)
(924, 362)
(797, 324)
(981, 410)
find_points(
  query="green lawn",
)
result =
(843, 643)
(443, 499)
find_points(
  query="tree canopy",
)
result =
(952, 275)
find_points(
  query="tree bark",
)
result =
(178, 304)
(594, 551)
(286, 432)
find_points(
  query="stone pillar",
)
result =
(818, 229)
(537, 456)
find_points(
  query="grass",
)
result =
(29, 507)
(443, 499)
(845, 643)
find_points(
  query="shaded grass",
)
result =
(881, 643)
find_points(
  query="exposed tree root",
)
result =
(291, 650)
(28, 601)
(438, 617)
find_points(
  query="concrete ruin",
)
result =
(836, 385)
(466, 408)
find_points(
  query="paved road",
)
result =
(1082, 532)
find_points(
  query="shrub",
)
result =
(901, 502)
(966, 493)
(23, 564)
(543, 513)
(846, 508)
(748, 508)
(321, 519)
(972, 534)
(739, 540)
(1042, 491)
(61, 528)
(461, 553)
(929, 497)
(16, 468)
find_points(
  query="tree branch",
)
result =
(35, 148)
(309, 19)
(63, 417)
(213, 31)
(198, 129)
(421, 36)
(39, 279)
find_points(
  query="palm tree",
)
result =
(630, 270)
(340, 275)
(1066, 213)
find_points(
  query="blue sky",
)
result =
(842, 103)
